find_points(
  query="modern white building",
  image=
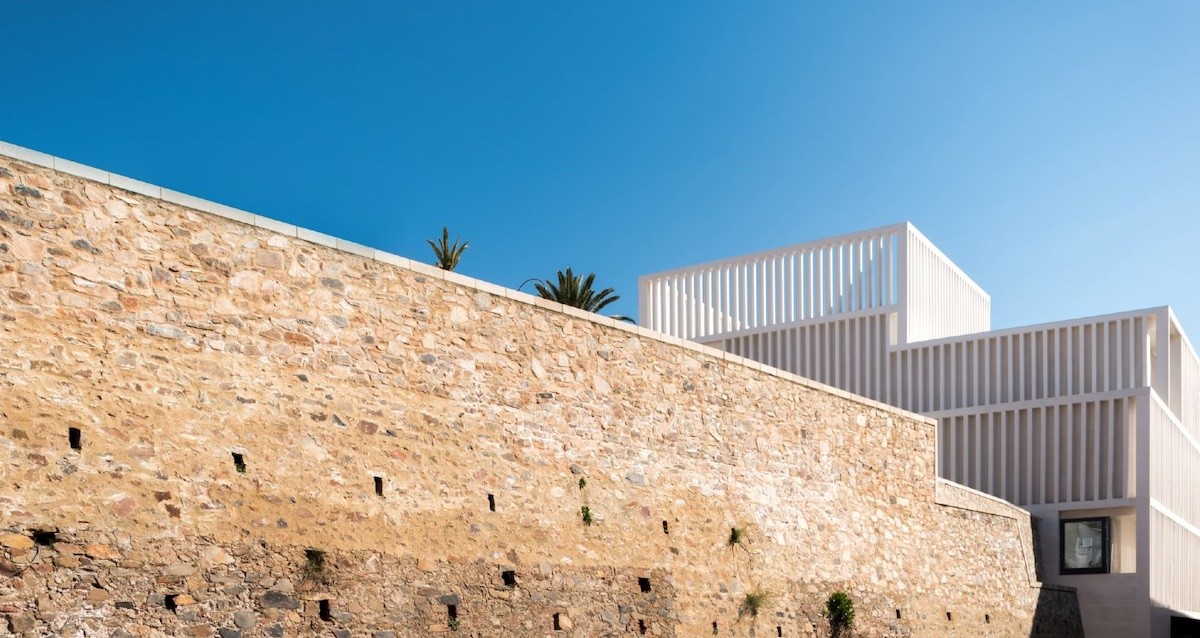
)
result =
(1091, 424)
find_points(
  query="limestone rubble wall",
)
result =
(172, 339)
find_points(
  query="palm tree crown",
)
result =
(576, 291)
(447, 254)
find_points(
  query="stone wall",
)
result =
(276, 438)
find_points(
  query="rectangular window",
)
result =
(1084, 545)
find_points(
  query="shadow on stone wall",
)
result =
(1035, 527)
(1056, 614)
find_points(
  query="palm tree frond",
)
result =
(447, 255)
(576, 291)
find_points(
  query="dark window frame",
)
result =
(1106, 542)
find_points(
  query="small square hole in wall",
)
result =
(45, 538)
(714, 627)
(324, 610)
(641, 626)
(666, 528)
(987, 618)
(644, 585)
(75, 438)
(491, 502)
(557, 623)
(897, 614)
(169, 602)
(239, 462)
(510, 578)
(452, 615)
(779, 630)
(949, 616)
(379, 486)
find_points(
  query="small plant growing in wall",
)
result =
(586, 513)
(316, 572)
(839, 609)
(753, 602)
(582, 482)
(453, 623)
(736, 537)
(314, 561)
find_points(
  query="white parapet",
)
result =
(889, 270)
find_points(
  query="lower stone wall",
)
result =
(204, 588)
(122, 586)
(190, 403)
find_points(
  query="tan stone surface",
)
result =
(174, 339)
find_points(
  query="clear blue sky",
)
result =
(1051, 149)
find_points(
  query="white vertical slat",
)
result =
(670, 302)
(694, 287)
(1106, 347)
(1057, 362)
(1082, 450)
(1093, 426)
(663, 304)
(976, 452)
(912, 384)
(756, 284)
(921, 380)
(974, 355)
(670, 312)
(1044, 355)
(735, 298)
(870, 260)
(771, 280)
(863, 277)
(1095, 371)
(789, 287)
(697, 305)
(804, 279)
(1055, 439)
(650, 314)
(985, 451)
(876, 360)
(1069, 475)
(812, 284)
(851, 276)
(753, 284)
(678, 309)
(830, 280)
(1018, 343)
(1025, 423)
(855, 376)
(989, 379)
(955, 459)
(885, 266)
(806, 285)
(1112, 444)
(1075, 359)
(689, 302)
(812, 351)
(1005, 490)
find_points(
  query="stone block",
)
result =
(16, 541)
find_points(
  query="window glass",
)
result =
(1085, 546)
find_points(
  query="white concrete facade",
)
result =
(1093, 418)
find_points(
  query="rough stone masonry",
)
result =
(211, 429)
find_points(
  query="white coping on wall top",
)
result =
(203, 205)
